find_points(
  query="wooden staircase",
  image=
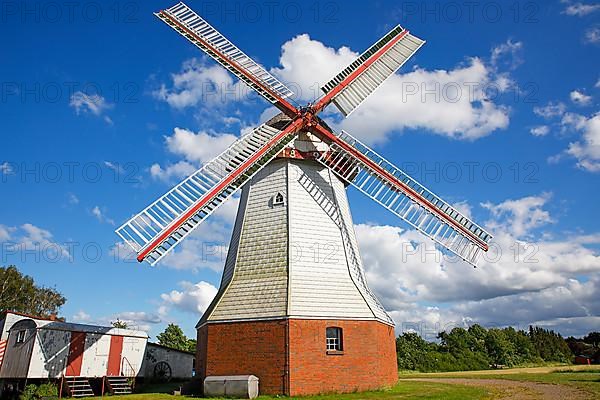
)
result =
(118, 385)
(79, 386)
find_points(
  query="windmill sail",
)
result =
(195, 29)
(356, 82)
(159, 227)
(385, 183)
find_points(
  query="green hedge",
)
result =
(479, 348)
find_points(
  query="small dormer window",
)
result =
(278, 200)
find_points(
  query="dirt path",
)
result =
(517, 390)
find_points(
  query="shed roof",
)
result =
(150, 344)
(72, 327)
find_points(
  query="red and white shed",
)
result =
(42, 348)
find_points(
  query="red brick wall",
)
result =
(245, 348)
(368, 360)
(259, 348)
(201, 347)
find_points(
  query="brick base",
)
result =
(260, 348)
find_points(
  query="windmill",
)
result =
(294, 307)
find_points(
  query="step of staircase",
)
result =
(118, 385)
(79, 387)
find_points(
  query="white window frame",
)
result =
(21, 335)
(278, 202)
(334, 342)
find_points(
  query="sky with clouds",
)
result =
(104, 107)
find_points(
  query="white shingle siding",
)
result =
(235, 238)
(258, 287)
(356, 268)
(310, 276)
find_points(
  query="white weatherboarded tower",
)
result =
(293, 251)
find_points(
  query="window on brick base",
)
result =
(334, 339)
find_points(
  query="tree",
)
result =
(500, 350)
(174, 338)
(549, 345)
(410, 350)
(18, 292)
(191, 345)
(524, 350)
(592, 338)
(119, 324)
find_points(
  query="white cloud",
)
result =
(193, 298)
(198, 147)
(461, 108)
(136, 320)
(508, 53)
(228, 210)
(465, 114)
(464, 208)
(571, 299)
(6, 168)
(95, 104)
(518, 217)
(517, 282)
(31, 238)
(121, 251)
(5, 233)
(198, 82)
(541, 130)
(82, 317)
(195, 148)
(597, 85)
(587, 150)
(580, 98)
(100, 214)
(172, 172)
(138, 316)
(205, 248)
(73, 199)
(308, 64)
(550, 110)
(114, 167)
(592, 35)
(572, 121)
(580, 9)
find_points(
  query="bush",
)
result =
(43, 391)
(477, 348)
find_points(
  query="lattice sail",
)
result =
(195, 29)
(158, 228)
(376, 177)
(361, 78)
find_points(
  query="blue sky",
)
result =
(104, 107)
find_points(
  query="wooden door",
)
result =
(76, 350)
(114, 356)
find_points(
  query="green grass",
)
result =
(157, 388)
(587, 379)
(404, 390)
